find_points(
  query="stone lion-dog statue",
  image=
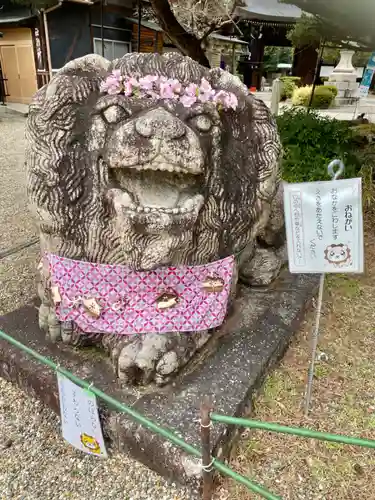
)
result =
(155, 185)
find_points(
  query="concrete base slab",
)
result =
(230, 370)
(14, 108)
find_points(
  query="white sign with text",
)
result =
(324, 226)
(80, 418)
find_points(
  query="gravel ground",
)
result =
(17, 226)
(35, 462)
(17, 278)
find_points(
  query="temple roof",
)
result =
(269, 10)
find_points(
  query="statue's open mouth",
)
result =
(156, 189)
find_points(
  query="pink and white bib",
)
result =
(116, 299)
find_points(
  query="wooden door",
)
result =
(10, 72)
(27, 73)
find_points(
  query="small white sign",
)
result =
(324, 226)
(79, 418)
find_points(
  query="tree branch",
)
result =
(186, 42)
(213, 28)
(355, 18)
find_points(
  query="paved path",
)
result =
(351, 112)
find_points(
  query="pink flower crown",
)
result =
(160, 87)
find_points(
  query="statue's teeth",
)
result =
(186, 208)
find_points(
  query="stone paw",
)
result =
(71, 334)
(49, 322)
(264, 266)
(65, 331)
(143, 359)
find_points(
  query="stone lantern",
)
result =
(344, 77)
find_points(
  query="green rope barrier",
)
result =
(243, 480)
(296, 431)
(167, 434)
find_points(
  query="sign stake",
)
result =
(207, 460)
(335, 170)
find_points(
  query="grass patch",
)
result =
(343, 403)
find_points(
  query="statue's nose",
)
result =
(161, 124)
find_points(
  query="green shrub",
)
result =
(364, 147)
(323, 97)
(301, 96)
(311, 142)
(333, 89)
(364, 133)
(290, 83)
(287, 90)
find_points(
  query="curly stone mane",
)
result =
(68, 174)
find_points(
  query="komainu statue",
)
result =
(153, 181)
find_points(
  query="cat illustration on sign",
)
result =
(338, 254)
(90, 443)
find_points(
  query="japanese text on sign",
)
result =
(79, 418)
(334, 242)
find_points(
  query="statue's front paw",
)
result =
(264, 267)
(65, 331)
(144, 359)
(49, 323)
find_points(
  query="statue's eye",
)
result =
(202, 123)
(114, 114)
(332, 254)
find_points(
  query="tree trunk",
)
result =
(184, 41)
(304, 64)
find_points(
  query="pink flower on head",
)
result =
(161, 79)
(160, 87)
(206, 96)
(175, 85)
(166, 91)
(206, 92)
(188, 100)
(113, 90)
(226, 99)
(112, 84)
(134, 82)
(232, 101)
(147, 82)
(219, 97)
(192, 90)
(128, 88)
(116, 73)
(205, 86)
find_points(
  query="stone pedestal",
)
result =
(229, 370)
(344, 78)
